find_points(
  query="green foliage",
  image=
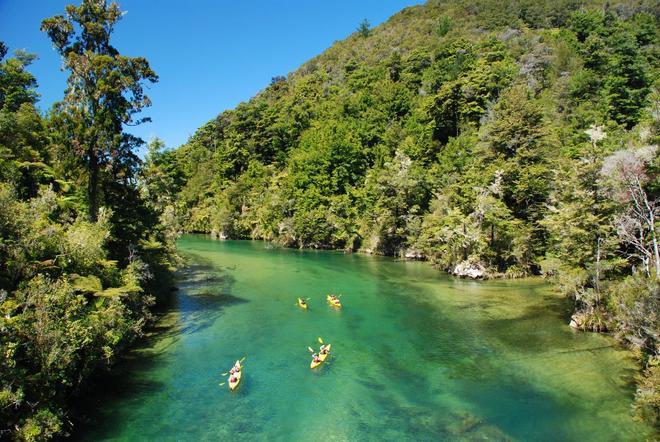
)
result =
(444, 26)
(489, 123)
(43, 425)
(77, 279)
(113, 94)
(17, 85)
(66, 309)
(398, 194)
(635, 303)
(364, 29)
(616, 70)
(22, 131)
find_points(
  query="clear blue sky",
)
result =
(210, 54)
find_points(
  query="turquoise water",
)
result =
(417, 355)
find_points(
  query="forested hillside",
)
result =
(491, 138)
(83, 256)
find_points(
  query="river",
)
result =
(417, 355)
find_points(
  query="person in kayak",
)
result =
(302, 301)
(323, 350)
(334, 298)
(316, 358)
(233, 378)
(236, 368)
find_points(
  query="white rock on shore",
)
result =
(471, 270)
(414, 254)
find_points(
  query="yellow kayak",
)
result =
(334, 302)
(234, 384)
(322, 358)
(302, 303)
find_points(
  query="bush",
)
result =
(635, 303)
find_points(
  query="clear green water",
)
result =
(417, 356)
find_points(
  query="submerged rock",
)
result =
(218, 235)
(473, 270)
(595, 321)
(576, 321)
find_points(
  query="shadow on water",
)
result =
(523, 333)
(420, 420)
(203, 295)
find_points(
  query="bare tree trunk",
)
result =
(655, 252)
(645, 256)
(465, 255)
(647, 211)
(597, 276)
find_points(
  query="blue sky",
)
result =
(210, 55)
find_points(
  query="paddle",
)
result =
(222, 384)
(310, 349)
(320, 341)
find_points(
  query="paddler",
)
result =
(236, 368)
(316, 358)
(323, 350)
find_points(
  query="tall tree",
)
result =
(104, 93)
(22, 130)
(626, 172)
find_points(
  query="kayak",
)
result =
(302, 304)
(233, 385)
(321, 357)
(334, 302)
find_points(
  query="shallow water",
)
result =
(417, 355)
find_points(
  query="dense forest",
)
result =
(494, 139)
(491, 138)
(83, 256)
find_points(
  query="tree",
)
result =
(626, 174)
(22, 131)
(17, 85)
(581, 247)
(444, 26)
(104, 93)
(364, 29)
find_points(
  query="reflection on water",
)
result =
(416, 355)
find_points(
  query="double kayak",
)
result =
(322, 358)
(235, 379)
(302, 303)
(335, 302)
